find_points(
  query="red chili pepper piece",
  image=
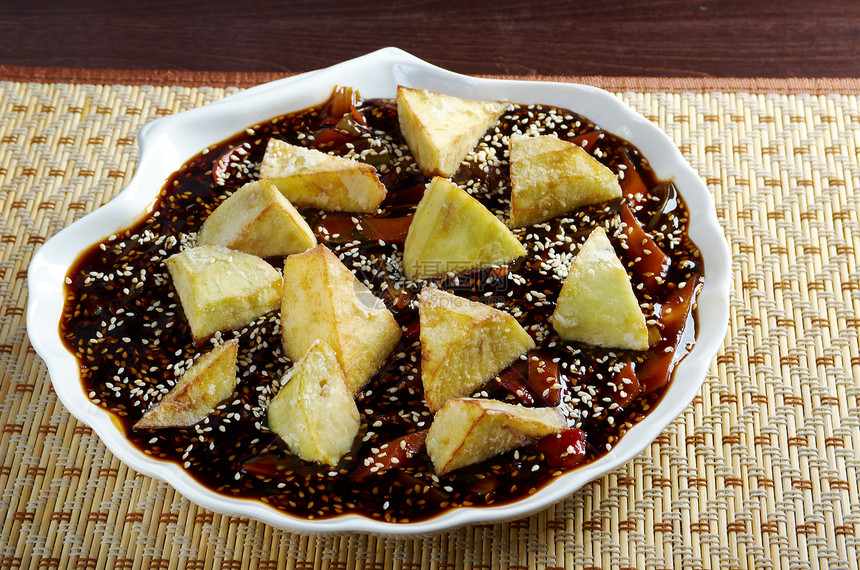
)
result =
(676, 308)
(626, 385)
(270, 465)
(513, 380)
(413, 329)
(649, 262)
(391, 455)
(336, 229)
(390, 230)
(398, 299)
(544, 378)
(633, 188)
(655, 372)
(566, 449)
(263, 465)
(358, 116)
(587, 141)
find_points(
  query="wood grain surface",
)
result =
(707, 38)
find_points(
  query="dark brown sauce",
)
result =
(123, 322)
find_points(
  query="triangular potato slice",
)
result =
(469, 430)
(257, 219)
(550, 177)
(222, 289)
(597, 304)
(464, 344)
(310, 178)
(322, 300)
(453, 232)
(209, 381)
(314, 412)
(440, 129)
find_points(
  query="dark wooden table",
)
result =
(706, 38)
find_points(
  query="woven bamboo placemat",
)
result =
(761, 470)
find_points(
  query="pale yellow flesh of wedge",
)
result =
(310, 178)
(314, 412)
(440, 129)
(209, 381)
(597, 304)
(323, 300)
(222, 289)
(470, 430)
(453, 232)
(464, 344)
(550, 177)
(257, 219)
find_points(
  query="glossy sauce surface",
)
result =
(123, 321)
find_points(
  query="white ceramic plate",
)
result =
(167, 143)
